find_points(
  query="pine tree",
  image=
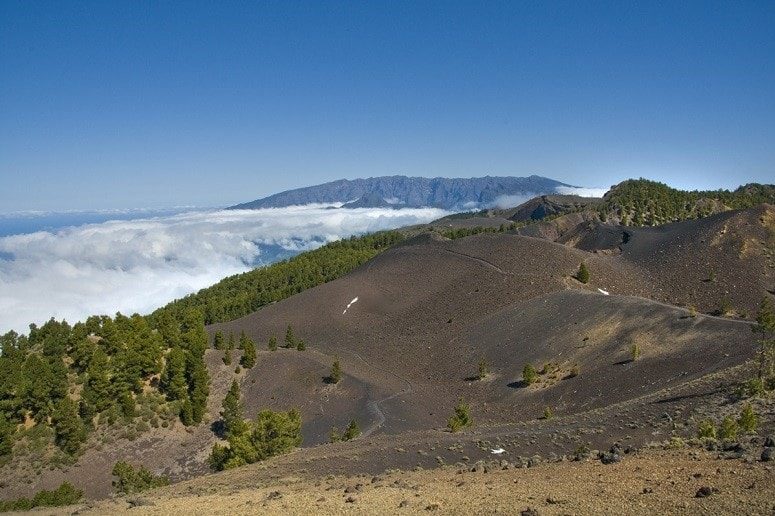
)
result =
(290, 339)
(233, 414)
(199, 387)
(748, 421)
(68, 427)
(173, 380)
(583, 274)
(98, 390)
(300, 346)
(194, 337)
(272, 346)
(248, 347)
(227, 357)
(186, 413)
(218, 342)
(336, 372)
(169, 329)
(7, 431)
(765, 325)
(230, 344)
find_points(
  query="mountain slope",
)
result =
(446, 193)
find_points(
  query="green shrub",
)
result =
(548, 414)
(635, 352)
(461, 418)
(748, 421)
(352, 431)
(272, 433)
(728, 428)
(482, 374)
(65, 494)
(583, 274)
(131, 480)
(529, 374)
(336, 372)
(707, 430)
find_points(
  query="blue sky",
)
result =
(149, 104)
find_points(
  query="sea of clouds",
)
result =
(138, 265)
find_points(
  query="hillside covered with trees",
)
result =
(640, 202)
(121, 375)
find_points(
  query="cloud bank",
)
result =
(583, 192)
(139, 265)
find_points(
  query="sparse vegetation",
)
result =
(635, 352)
(765, 327)
(461, 418)
(65, 494)
(271, 433)
(336, 373)
(707, 430)
(130, 480)
(352, 431)
(482, 373)
(748, 420)
(529, 374)
(248, 348)
(728, 428)
(583, 273)
(290, 338)
(548, 414)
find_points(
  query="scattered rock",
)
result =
(139, 502)
(610, 458)
(404, 503)
(432, 507)
(351, 499)
(274, 495)
(647, 490)
(529, 512)
(704, 492)
(769, 441)
(768, 454)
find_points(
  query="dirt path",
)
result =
(374, 405)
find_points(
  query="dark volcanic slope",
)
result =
(429, 310)
(728, 257)
(427, 313)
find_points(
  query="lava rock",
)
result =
(610, 458)
(704, 492)
(768, 454)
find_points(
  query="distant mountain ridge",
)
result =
(403, 191)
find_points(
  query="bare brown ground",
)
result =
(650, 482)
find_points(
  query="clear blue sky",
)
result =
(126, 104)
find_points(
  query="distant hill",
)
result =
(402, 191)
(640, 202)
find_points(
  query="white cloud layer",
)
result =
(583, 192)
(139, 265)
